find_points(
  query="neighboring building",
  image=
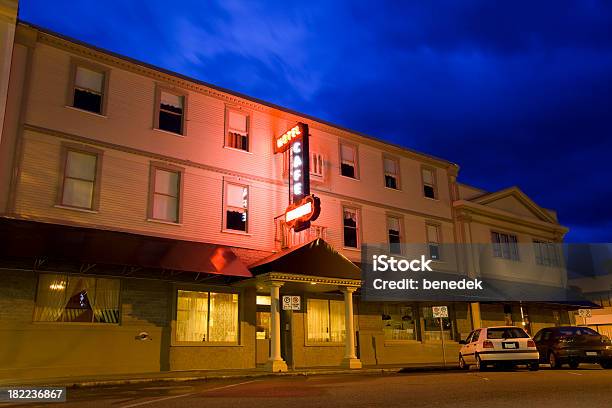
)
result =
(140, 228)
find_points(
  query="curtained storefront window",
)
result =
(325, 320)
(207, 316)
(66, 298)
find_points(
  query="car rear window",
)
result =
(577, 331)
(506, 333)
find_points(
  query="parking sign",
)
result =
(439, 311)
(291, 303)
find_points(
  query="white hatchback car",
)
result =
(498, 345)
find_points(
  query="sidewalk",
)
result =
(208, 375)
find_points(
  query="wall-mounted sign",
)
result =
(299, 215)
(291, 303)
(283, 142)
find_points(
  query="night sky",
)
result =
(516, 93)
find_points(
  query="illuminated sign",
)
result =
(299, 215)
(283, 142)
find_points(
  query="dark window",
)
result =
(348, 161)
(235, 220)
(429, 182)
(350, 228)
(505, 246)
(391, 169)
(390, 181)
(236, 205)
(88, 90)
(506, 333)
(171, 112)
(394, 231)
(429, 191)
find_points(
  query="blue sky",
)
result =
(516, 93)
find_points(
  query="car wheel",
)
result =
(534, 366)
(606, 364)
(480, 366)
(574, 364)
(462, 364)
(553, 360)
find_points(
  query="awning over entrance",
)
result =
(315, 258)
(31, 239)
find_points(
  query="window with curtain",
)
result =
(206, 317)
(236, 207)
(165, 195)
(351, 227)
(429, 183)
(325, 320)
(237, 130)
(79, 184)
(170, 112)
(391, 168)
(394, 231)
(68, 298)
(88, 91)
(505, 246)
(348, 160)
(433, 241)
(399, 322)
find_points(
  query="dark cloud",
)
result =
(517, 93)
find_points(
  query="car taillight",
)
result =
(530, 343)
(487, 344)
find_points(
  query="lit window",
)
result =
(394, 231)
(236, 207)
(348, 160)
(505, 246)
(88, 92)
(237, 130)
(165, 194)
(79, 179)
(325, 320)
(66, 298)
(351, 227)
(429, 183)
(207, 317)
(546, 253)
(171, 112)
(391, 167)
(433, 241)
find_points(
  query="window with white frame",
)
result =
(70, 298)
(236, 207)
(165, 194)
(348, 160)
(206, 317)
(433, 241)
(325, 320)
(171, 112)
(237, 130)
(391, 169)
(80, 184)
(394, 232)
(505, 246)
(546, 253)
(351, 227)
(429, 182)
(88, 91)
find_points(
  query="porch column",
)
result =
(350, 359)
(276, 362)
(475, 312)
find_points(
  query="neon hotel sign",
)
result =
(303, 206)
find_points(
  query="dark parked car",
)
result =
(573, 345)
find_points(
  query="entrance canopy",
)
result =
(315, 258)
(21, 239)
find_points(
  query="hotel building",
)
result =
(142, 229)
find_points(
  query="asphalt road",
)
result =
(584, 387)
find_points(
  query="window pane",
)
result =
(171, 102)
(399, 322)
(50, 298)
(347, 170)
(432, 233)
(428, 177)
(80, 293)
(390, 166)
(262, 325)
(171, 122)
(81, 165)
(394, 224)
(223, 323)
(237, 196)
(87, 100)
(237, 122)
(236, 220)
(191, 316)
(78, 193)
(88, 79)
(263, 300)
(167, 182)
(348, 153)
(317, 316)
(165, 208)
(337, 320)
(390, 182)
(429, 192)
(106, 302)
